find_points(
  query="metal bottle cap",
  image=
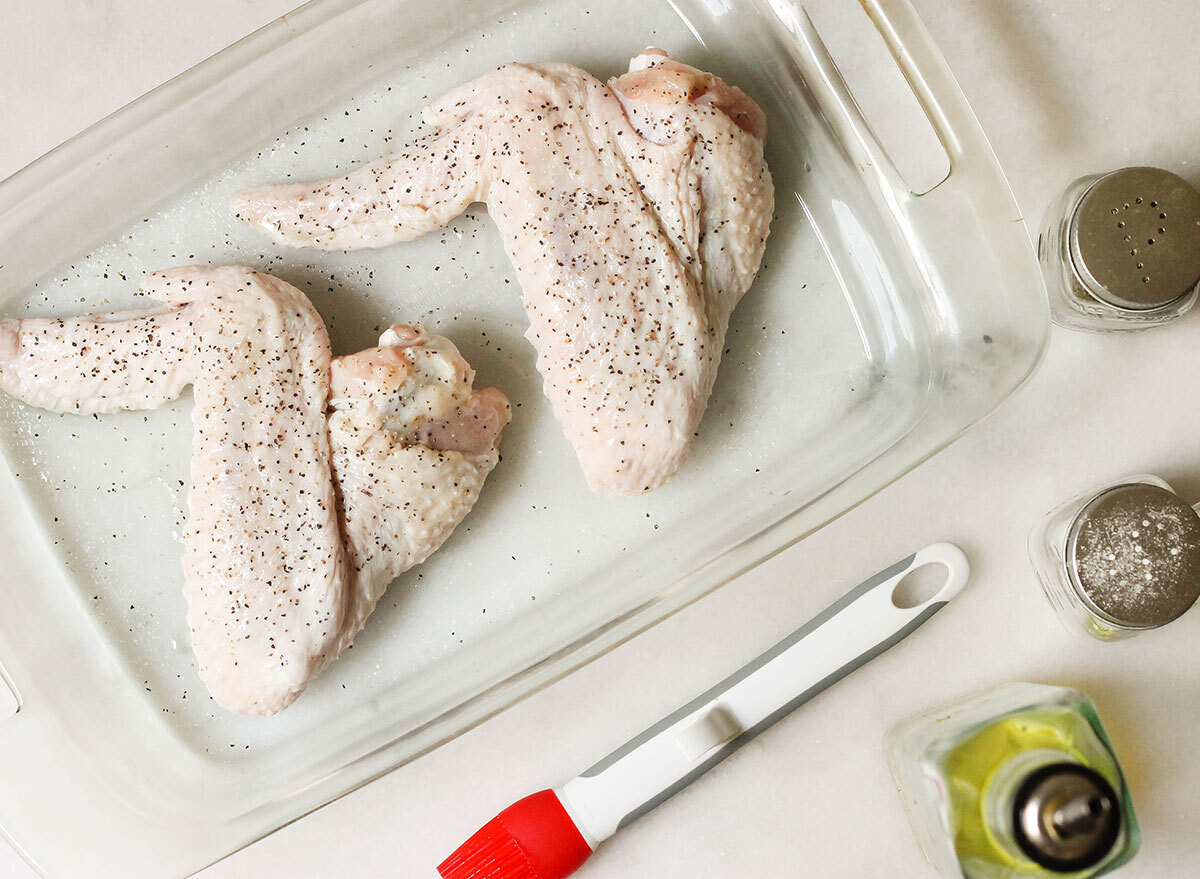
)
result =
(1133, 552)
(1066, 817)
(1135, 238)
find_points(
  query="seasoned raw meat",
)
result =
(291, 538)
(635, 214)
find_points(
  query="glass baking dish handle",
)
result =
(925, 69)
(968, 231)
(969, 226)
(966, 237)
(928, 76)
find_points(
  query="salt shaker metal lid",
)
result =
(1133, 552)
(1135, 238)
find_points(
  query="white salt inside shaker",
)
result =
(1121, 559)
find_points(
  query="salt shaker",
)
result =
(1121, 251)
(1120, 559)
(1020, 781)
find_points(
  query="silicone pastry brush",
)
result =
(548, 835)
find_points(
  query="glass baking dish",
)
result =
(883, 325)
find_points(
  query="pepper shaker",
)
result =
(1121, 251)
(1120, 559)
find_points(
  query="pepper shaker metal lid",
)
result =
(1066, 817)
(1133, 552)
(1135, 239)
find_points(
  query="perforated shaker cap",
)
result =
(1133, 552)
(1135, 238)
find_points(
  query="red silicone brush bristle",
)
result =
(491, 852)
(534, 838)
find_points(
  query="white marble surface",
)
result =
(1063, 87)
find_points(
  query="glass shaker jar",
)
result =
(1121, 251)
(1020, 781)
(1120, 559)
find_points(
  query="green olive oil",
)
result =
(1018, 782)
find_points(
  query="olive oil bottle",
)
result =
(1017, 782)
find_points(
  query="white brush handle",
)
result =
(655, 765)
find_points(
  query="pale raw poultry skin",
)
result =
(635, 214)
(302, 508)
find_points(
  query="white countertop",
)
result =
(1063, 88)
